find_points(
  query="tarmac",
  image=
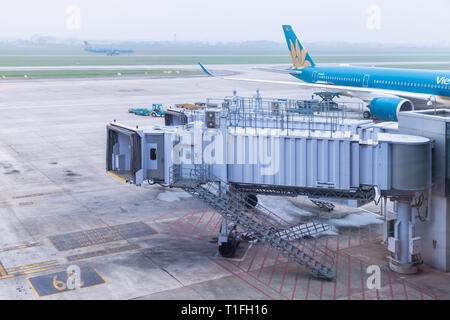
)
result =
(60, 211)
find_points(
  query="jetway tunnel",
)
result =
(349, 159)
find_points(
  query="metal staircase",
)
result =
(253, 218)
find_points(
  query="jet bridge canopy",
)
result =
(123, 152)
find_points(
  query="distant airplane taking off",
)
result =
(108, 51)
(386, 90)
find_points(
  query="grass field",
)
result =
(58, 74)
(136, 59)
(9, 59)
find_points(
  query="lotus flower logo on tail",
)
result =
(298, 56)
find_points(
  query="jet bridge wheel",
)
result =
(252, 200)
(367, 114)
(228, 249)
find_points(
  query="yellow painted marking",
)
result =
(444, 98)
(32, 265)
(35, 292)
(39, 270)
(37, 194)
(29, 203)
(28, 272)
(116, 176)
(2, 199)
(22, 247)
(32, 288)
(2, 270)
(5, 206)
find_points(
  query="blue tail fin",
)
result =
(299, 55)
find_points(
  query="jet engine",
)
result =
(388, 108)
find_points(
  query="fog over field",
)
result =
(363, 21)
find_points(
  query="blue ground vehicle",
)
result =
(155, 111)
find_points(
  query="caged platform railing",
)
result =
(257, 220)
(280, 114)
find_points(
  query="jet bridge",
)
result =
(226, 156)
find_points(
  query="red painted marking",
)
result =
(264, 261)
(349, 277)
(337, 242)
(198, 221)
(315, 247)
(421, 294)
(284, 276)
(362, 282)
(390, 286)
(321, 289)
(404, 289)
(174, 224)
(254, 256)
(239, 277)
(274, 268)
(157, 223)
(259, 281)
(378, 294)
(215, 227)
(207, 224)
(349, 237)
(335, 273)
(308, 286)
(370, 234)
(163, 215)
(321, 281)
(295, 284)
(168, 212)
(189, 220)
(359, 235)
(395, 276)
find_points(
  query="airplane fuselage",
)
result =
(428, 82)
(109, 51)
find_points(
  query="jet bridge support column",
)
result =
(403, 244)
(402, 231)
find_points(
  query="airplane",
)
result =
(386, 91)
(108, 51)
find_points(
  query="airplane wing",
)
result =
(365, 94)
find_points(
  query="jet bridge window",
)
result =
(153, 154)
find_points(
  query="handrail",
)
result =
(196, 177)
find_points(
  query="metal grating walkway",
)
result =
(263, 224)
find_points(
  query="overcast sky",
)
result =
(393, 21)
